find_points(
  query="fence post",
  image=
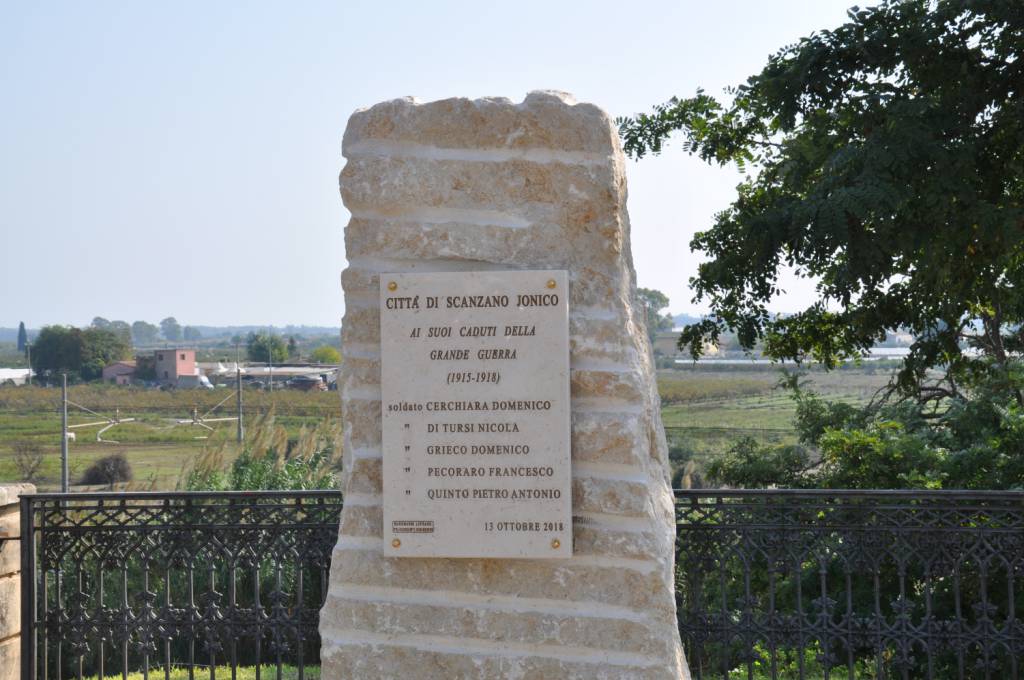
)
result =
(11, 559)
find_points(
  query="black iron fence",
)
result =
(771, 584)
(849, 584)
(175, 583)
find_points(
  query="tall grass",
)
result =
(269, 458)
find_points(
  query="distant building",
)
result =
(171, 365)
(665, 343)
(295, 376)
(119, 373)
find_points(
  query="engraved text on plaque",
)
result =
(475, 405)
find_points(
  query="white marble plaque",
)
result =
(475, 403)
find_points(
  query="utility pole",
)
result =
(64, 482)
(238, 386)
(28, 353)
(270, 369)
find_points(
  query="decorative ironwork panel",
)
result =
(150, 582)
(847, 584)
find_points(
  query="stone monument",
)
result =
(490, 277)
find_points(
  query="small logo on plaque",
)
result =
(412, 526)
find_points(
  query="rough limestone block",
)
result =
(10, 606)
(10, 525)
(10, 659)
(10, 493)
(10, 549)
(10, 579)
(461, 185)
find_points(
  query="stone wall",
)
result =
(10, 579)
(459, 185)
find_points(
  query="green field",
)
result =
(705, 408)
(158, 447)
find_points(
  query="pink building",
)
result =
(172, 364)
(119, 372)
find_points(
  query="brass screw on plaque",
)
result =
(555, 543)
(551, 283)
(395, 543)
(392, 286)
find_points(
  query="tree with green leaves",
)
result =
(144, 333)
(171, 329)
(293, 348)
(884, 159)
(22, 337)
(325, 354)
(81, 353)
(57, 349)
(266, 347)
(122, 330)
(101, 347)
(191, 333)
(653, 301)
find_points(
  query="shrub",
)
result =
(28, 458)
(108, 470)
(269, 459)
(326, 354)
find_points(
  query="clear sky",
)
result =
(182, 158)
